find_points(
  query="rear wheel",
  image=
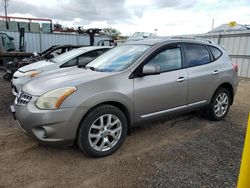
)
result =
(102, 131)
(219, 105)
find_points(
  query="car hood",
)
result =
(57, 79)
(33, 59)
(35, 66)
(59, 71)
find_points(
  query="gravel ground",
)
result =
(185, 151)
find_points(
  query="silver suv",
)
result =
(96, 106)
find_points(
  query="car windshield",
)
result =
(118, 58)
(67, 56)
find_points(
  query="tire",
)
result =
(96, 136)
(7, 76)
(218, 110)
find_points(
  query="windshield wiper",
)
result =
(94, 69)
(81, 66)
(91, 68)
(50, 60)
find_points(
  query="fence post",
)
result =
(40, 41)
(244, 180)
(247, 72)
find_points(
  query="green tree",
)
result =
(112, 32)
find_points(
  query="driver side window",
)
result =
(168, 60)
(70, 63)
(89, 56)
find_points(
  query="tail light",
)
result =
(235, 67)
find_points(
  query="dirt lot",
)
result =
(186, 151)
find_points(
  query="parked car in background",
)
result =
(49, 53)
(76, 57)
(96, 106)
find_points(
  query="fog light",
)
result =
(40, 132)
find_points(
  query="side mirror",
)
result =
(151, 69)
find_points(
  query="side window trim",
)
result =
(211, 57)
(214, 59)
(136, 73)
(184, 62)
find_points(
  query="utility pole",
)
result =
(212, 29)
(5, 5)
(155, 31)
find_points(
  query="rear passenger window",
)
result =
(215, 51)
(196, 54)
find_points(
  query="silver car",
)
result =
(80, 56)
(96, 106)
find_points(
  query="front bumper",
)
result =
(50, 127)
(14, 90)
(17, 84)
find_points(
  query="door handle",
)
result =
(180, 79)
(215, 72)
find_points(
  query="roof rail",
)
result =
(192, 38)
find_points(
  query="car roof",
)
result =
(67, 45)
(159, 40)
(87, 49)
(90, 48)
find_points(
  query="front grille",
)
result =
(23, 98)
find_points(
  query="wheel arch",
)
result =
(116, 104)
(123, 108)
(227, 86)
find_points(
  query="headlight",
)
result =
(53, 99)
(31, 74)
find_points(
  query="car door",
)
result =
(203, 73)
(165, 92)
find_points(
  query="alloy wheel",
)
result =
(221, 104)
(105, 132)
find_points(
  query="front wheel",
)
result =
(102, 131)
(219, 105)
(7, 76)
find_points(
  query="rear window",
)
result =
(215, 51)
(196, 54)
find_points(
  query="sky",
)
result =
(169, 17)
